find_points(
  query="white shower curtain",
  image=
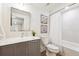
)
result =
(56, 29)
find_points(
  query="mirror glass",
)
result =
(20, 20)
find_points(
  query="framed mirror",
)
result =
(20, 20)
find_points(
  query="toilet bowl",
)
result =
(52, 50)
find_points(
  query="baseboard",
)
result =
(71, 45)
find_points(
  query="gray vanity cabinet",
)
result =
(34, 48)
(29, 48)
(7, 50)
(0, 51)
(21, 49)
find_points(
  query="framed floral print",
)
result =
(43, 28)
(44, 19)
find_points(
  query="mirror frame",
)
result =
(21, 12)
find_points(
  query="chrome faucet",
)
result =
(22, 34)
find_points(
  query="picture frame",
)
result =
(43, 28)
(44, 19)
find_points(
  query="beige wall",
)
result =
(35, 18)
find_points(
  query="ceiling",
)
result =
(50, 7)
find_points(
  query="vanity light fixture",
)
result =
(66, 7)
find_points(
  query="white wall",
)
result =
(35, 18)
(71, 25)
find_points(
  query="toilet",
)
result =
(51, 50)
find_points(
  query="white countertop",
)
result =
(16, 40)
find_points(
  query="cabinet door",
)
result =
(0, 51)
(27, 48)
(34, 48)
(7, 50)
(20, 49)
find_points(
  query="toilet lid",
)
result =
(51, 46)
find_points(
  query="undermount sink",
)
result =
(16, 40)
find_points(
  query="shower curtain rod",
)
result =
(61, 9)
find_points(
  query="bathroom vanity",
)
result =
(18, 26)
(20, 47)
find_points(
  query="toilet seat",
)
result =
(52, 48)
